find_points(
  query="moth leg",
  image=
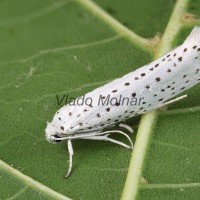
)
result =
(127, 127)
(173, 100)
(95, 135)
(71, 152)
(120, 132)
(104, 136)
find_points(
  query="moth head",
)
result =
(51, 134)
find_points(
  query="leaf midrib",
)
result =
(146, 124)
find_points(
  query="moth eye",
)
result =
(56, 136)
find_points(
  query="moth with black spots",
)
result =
(155, 83)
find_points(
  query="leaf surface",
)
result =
(54, 48)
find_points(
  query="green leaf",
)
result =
(51, 48)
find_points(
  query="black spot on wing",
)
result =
(180, 59)
(158, 79)
(98, 115)
(107, 109)
(147, 86)
(133, 94)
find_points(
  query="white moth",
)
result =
(148, 87)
